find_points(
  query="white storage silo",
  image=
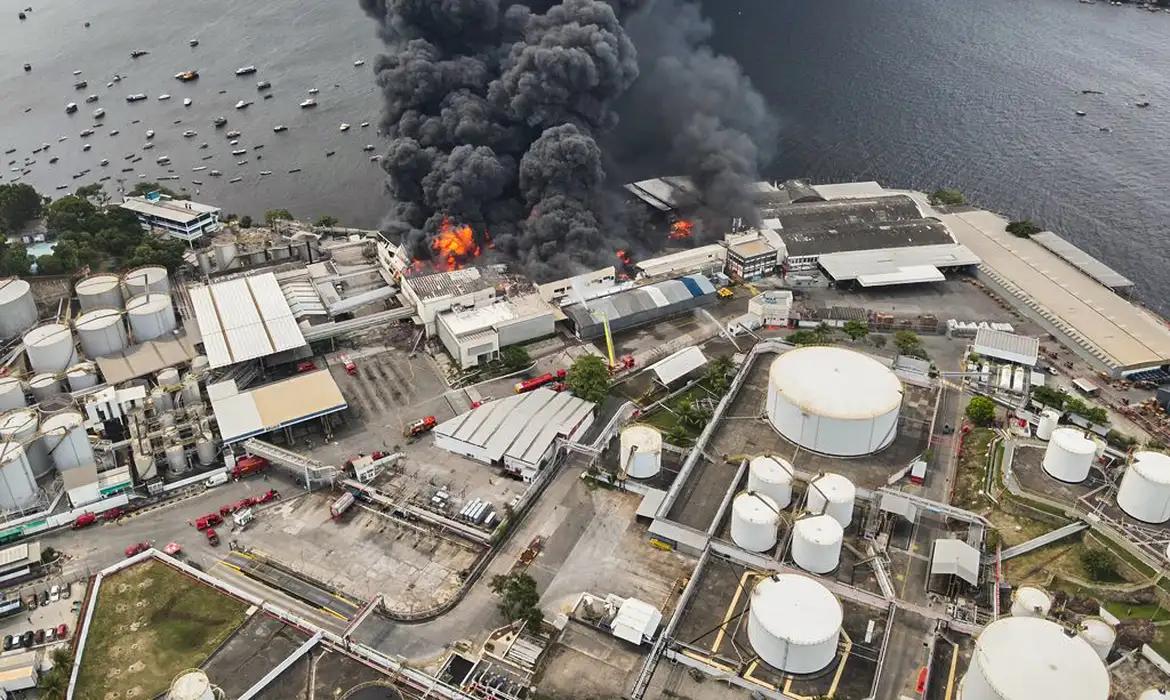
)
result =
(1049, 420)
(168, 377)
(144, 466)
(192, 685)
(200, 364)
(101, 332)
(176, 459)
(1069, 455)
(755, 519)
(1029, 658)
(771, 476)
(224, 248)
(151, 279)
(1005, 377)
(46, 385)
(20, 427)
(833, 401)
(18, 487)
(1145, 488)
(1099, 634)
(190, 393)
(641, 451)
(794, 623)
(151, 316)
(67, 440)
(50, 348)
(18, 310)
(832, 494)
(1155, 694)
(12, 394)
(100, 291)
(1018, 380)
(205, 449)
(160, 400)
(816, 543)
(1029, 601)
(81, 376)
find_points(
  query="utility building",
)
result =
(641, 305)
(476, 335)
(177, 218)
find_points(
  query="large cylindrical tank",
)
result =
(794, 623)
(100, 291)
(191, 685)
(18, 487)
(151, 316)
(224, 248)
(1155, 694)
(1029, 658)
(12, 394)
(641, 451)
(67, 440)
(161, 400)
(1029, 601)
(101, 332)
(1145, 488)
(205, 449)
(1069, 455)
(50, 348)
(146, 280)
(46, 385)
(82, 375)
(20, 426)
(1099, 634)
(144, 466)
(1049, 420)
(771, 476)
(833, 401)
(176, 459)
(18, 310)
(832, 494)
(816, 543)
(755, 519)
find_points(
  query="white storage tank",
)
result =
(176, 459)
(20, 426)
(67, 440)
(1029, 601)
(101, 332)
(18, 487)
(11, 393)
(168, 377)
(224, 248)
(1049, 421)
(1145, 488)
(50, 348)
(144, 466)
(151, 316)
(1069, 455)
(833, 401)
(191, 685)
(190, 392)
(101, 291)
(641, 451)
(160, 400)
(1099, 634)
(1029, 658)
(1155, 694)
(1018, 380)
(1005, 377)
(771, 476)
(794, 623)
(46, 385)
(200, 364)
(18, 311)
(832, 494)
(816, 543)
(755, 519)
(81, 376)
(146, 280)
(205, 449)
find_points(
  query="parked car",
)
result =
(51, 634)
(137, 548)
(44, 597)
(62, 631)
(66, 591)
(10, 642)
(112, 514)
(55, 593)
(40, 637)
(26, 640)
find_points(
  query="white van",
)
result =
(216, 480)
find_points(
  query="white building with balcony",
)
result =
(177, 218)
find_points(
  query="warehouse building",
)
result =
(434, 293)
(635, 307)
(176, 218)
(476, 335)
(705, 259)
(909, 265)
(579, 287)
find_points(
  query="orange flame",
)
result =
(681, 229)
(624, 257)
(455, 244)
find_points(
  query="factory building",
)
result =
(244, 318)
(641, 305)
(773, 308)
(434, 293)
(751, 258)
(579, 287)
(705, 259)
(474, 336)
(890, 266)
(1009, 347)
(176, 218)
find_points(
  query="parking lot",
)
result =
(62, 611)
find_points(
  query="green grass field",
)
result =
(151, 622)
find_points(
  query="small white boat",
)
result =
(62, 138)
(164, 96)
(374, 159)
(136, 97)
(242, 104)
(233, 134)
(279, 128)
(86, 147)
(189, 133)
(215, 173)
(150, 133)
(265, 172)
(368, 147)
(115, 132)
(99, 113)
(263, 85)
(246, 70)
(308, 103)
(313, 91)
(364, 124)
(237, 178)
(234, 142)
(343, 127)
(199, 168)
(242, 162)
(193, 42)
(162, 160)
(91, 98)
(104, 162)
(186, 101)
(239, 152)
(358, 62)
(71, 108)
(76, 72)
(86, 132)
(147, 146)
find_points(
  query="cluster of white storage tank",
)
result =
(33, 447)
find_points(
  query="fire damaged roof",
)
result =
(467, 280)
(870, 223)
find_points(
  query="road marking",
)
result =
(951, 677)
(730, 612)
(334, 613)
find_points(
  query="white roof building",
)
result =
(679, 364)
(178, 218)
(636, 621)
(703, 258)
(474, 335)
(244, 319)
(1010, 347)
(302, 397)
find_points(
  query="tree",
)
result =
(1023, 228)
(73, 213)
(1099, 565)
(718, 374)
(948, 197)
(167, 252)
(14, 259)
(678, 435)
(19, 204)
(515, 357)
(691, 414)
(51, 265)
(588, 378)
(519, 598)
(981, 411)
(273, 215)
(326, 221)
(245, 221)
(907, 342)
(856, 330)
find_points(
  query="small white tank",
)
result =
(1069, 455)
(151, 279)
(151, 316)
(190, 392)
(18, 310)
(100, 291)
(102, 332)
(67, 440)
(224, 248)
(1049, 421)
(11, 394)
(1030, 601)
(46, 385)
(50, 348)
(81, 376)
(1154, 694)
(816, 543)
(771, 476)
(832, 494)
(18, 487)
(200, 364)
(755, 518)
(166, 419)
(176, 459)
(191, 685)
(1099, 634)
(205, 449)
(641, 451)
(145, 467)
(160, 400)
(168, 377)
(20, 427)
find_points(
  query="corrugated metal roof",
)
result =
(956, 558)
(680, 363)
(1083, 261)
(1007, 346)
(241, 415)
(244, 318)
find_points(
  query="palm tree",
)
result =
(719, 374)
